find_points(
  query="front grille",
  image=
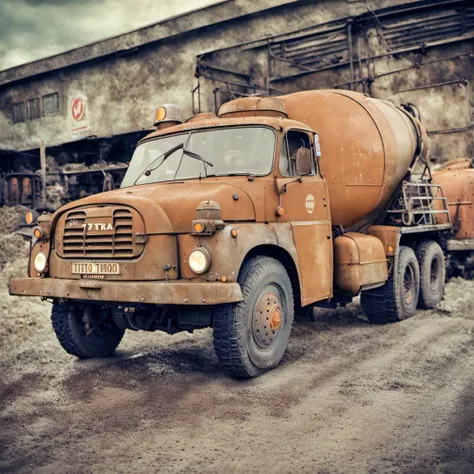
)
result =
(100, 233)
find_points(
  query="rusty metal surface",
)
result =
(254, 106)
(388, 235)
(156, 202)
(367, 148)
(226, 251)
(313, 241)
(180, 293)
(360, 262)
(229, 253)
(458, 186)
(99, 232)
(159, 261)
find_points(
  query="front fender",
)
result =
(228, 253)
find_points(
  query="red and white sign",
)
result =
(77, 109)
(79, 116)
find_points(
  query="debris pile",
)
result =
(13, 248)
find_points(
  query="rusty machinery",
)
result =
(238, 221)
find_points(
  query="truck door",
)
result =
(305, 201)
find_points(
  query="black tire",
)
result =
(69, 327)
(432, 273)
(398, 298)
(250, 339)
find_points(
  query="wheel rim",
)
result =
(409, 284)
(434, 274)
(268, 317)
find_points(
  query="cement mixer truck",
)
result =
(243, 220)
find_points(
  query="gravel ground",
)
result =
(348, 397)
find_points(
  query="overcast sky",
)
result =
(33, 29)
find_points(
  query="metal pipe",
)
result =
(361, 72)
(351, 56)
(292, 62)
(237, 84)
(43, 170)
(428, 86)
(269, 71)
(451, 130)
(407, 68)
(205, 65)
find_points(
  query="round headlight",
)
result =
(199, 260)
(40, 262)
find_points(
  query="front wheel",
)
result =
(250, 337)
(82, 331)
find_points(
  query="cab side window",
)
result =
(289, 146)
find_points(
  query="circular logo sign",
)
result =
(309, 202)
(77, 109)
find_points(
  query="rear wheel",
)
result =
(250, 337)
(432, 273)
(398, 298)
(82, 332)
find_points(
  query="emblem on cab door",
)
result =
(309, 202)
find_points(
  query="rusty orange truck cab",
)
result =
(239, 221)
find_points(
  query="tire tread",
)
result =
(381, 305)
(72, 342)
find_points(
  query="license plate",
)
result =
(96, 268)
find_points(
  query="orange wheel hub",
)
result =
(275, 318)
(267, 318)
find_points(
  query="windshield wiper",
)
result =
(196, 157)
(147, 171)
(242, 173)
(192, 155)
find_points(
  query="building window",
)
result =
(19, 112)
(34, 110)
(51, 104)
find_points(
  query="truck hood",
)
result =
(171, 207)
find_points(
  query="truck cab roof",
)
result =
(277, 123)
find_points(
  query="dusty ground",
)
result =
(349, 396)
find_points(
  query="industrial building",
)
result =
(91, 104)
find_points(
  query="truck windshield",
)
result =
(232, 151)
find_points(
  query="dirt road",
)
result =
(349, 397)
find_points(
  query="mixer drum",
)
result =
(367, 148)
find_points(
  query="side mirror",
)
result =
(303, 161)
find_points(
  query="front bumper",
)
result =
(174, 292)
